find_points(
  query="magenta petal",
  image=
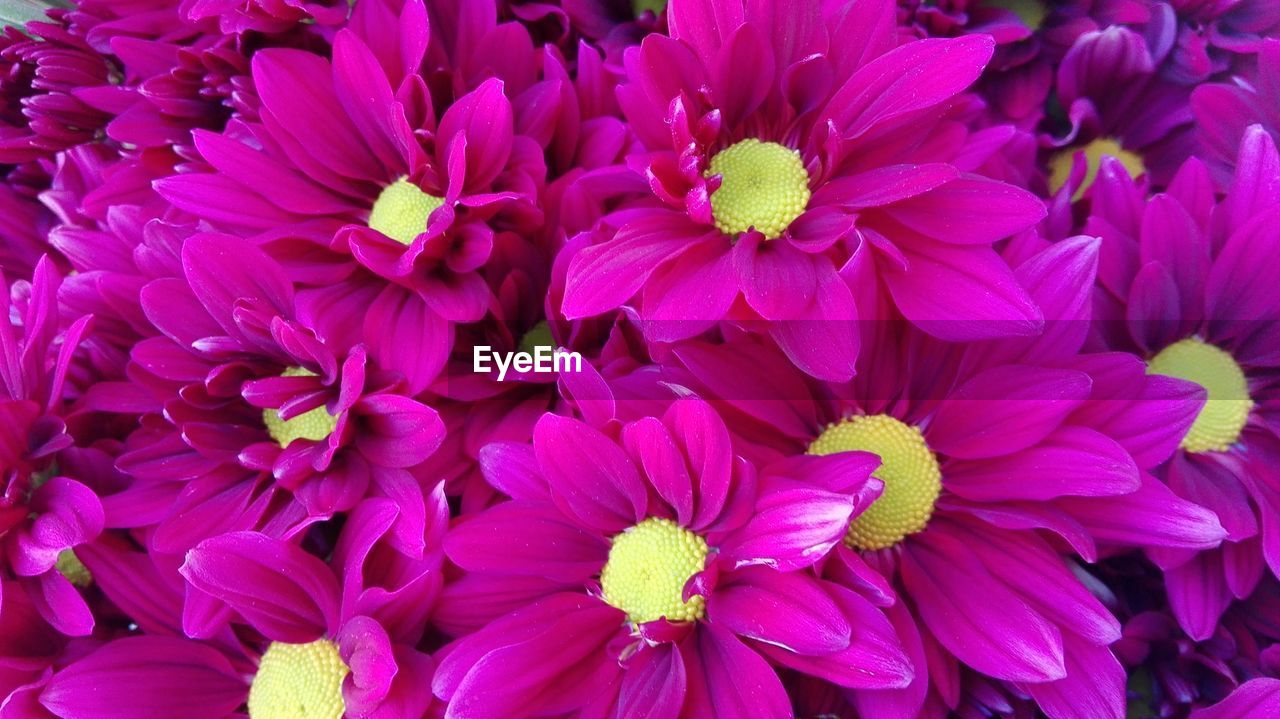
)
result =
(591, 478)
(484, 118)
(604, 276)
(961, 293)
(397, 431)
(727, 678)
(512, 468)
(653, 448)
(1255, 699)
(1005, 409)
(1198, 594)
(521, 538)
(285, 593)
(884, 185)
(874, 659)
(970, 211)
(705, 440)
(653, 685)
(1094, 687)
(150, 676)
(1073, 461)
(791, 528)
(789, 610)
(992, 630)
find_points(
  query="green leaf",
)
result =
(18, 12)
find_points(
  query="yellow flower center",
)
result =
(1224, 415)
(648, 567)
(1031, 12)
(538, 336)
(764, 185)
(910, 472)
(1060, 164)
(70, 566)
(315, 424)
(401, 211)
(298, 681)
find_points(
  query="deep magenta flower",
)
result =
(652, 568)
(988, 451)
(787, 154)
(43, 517)
(1224, 111)
(1182, 285)
(258, 410)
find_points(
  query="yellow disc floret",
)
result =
(648, 567)
(1060, 164)
(1224, 415)
(764, 185)
(70, 566)
(298, 681)
(909, 469)
(315, 424)
(401, 211)
(1031, 12)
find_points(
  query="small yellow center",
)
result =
(764, 185)
(1224, 415)
(298, 681)
(315, 424)
(657, 7)
(70, 566)
(538, 336)
(910, 472)
(1031, 12)
(1060, 164)
(648, 566)
(401, 211)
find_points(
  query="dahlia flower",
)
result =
(987, 451)
(787, 153)
(1183, 286)
(653, 569)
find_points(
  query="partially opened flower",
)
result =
(258, 412)
(1225, 111)
(787, 154)
(1183, 284)
(43, 517)
(1001, 461)
(327, 640)
(1117, 106)
(653, 569)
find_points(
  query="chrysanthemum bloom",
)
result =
(988, 451)
(43, 517)
(1225, 111)
(255, 403)
(787, 154)
(327, 641)
(653, 570)
(1184, 284)
(353, 166)
(1117, 106)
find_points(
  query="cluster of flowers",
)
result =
(929, 359)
